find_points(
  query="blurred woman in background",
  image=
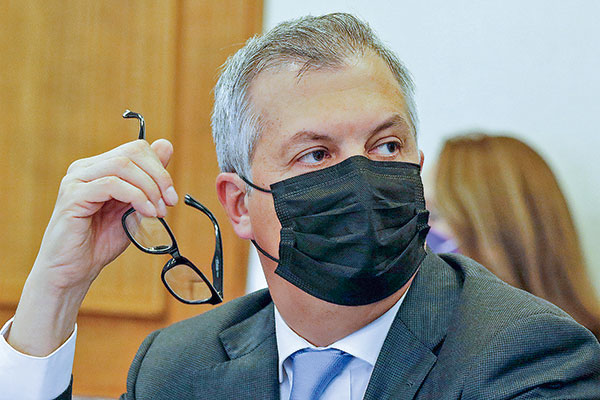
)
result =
(505, 210)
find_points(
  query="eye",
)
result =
(390, 148)
(314, 157)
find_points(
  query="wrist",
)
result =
(45, 316)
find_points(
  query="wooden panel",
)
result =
(209, 32)
(69, 69)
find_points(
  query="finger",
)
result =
(145, 157)
(164, 150)
(110, 187)
(140, 153)
(125, 169)
(117, 151)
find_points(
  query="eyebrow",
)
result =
(308, 136)
(393, 121)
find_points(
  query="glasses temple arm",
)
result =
(131, 114)
(217, 267)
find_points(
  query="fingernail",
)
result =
(162, 208)
(171, 196)
(150, 209)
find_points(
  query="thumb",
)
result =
(164, 150)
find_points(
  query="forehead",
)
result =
(358, 92)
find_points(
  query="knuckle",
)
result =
(66, 188)
(122, 162)
(164, 179)
(138, 147)
(153, 192)
(106, 181)
(138, 196)
(152, 195)
(70, 190)
(75, 165)
(68, 183)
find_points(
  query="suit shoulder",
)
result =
(214, 321)
(490, 312)
(199, 335)
(168, 360)
(225, 315)
(486, 296)
(545, 354)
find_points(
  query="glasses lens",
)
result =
(148, 232)
(188, 285)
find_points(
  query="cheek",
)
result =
(412, 151)
(265, 224)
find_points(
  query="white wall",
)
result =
(527, 67)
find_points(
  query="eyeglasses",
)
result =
(180, 276)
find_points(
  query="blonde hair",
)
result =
(505, 207)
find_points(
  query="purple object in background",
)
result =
(441, 243)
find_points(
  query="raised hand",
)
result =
(85, 234)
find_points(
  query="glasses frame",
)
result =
(216, 287)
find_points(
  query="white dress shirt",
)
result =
(26, 377)
(364, 345)
(44, 378)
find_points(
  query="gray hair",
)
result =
(328, 41)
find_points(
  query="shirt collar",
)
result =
(364, 344)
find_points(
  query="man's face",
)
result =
(318, 120)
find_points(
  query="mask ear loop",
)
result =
(264, 253)
(254, 186)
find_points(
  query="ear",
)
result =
(421, 159)
(231, 191)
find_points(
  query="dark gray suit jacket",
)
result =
(461, 333)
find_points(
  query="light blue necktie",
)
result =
(313, 370)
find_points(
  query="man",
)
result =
(315, 130)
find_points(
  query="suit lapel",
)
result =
(408, 353)
(401, 367)
(410, 348)
(251, 372)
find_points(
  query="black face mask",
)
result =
(353, 233)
